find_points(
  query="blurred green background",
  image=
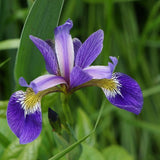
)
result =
(132, 33)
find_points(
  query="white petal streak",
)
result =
(30, 103)
(111, 92)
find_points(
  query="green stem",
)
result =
(66, 109)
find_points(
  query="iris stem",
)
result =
(66, 109)
(47, 91)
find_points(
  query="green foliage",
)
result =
(3, 108)
(9, 44)
(131, 29)
(91, 153)
(84, 126)
(18, 151)
(4, 62)
(115, 152)
(42, 19)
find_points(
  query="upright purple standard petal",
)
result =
(48, 54)
(126, 95)
(77, 44)
(64, 48)
(26, 127)
(90, 49)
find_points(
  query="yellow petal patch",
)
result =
(109, 84)
(30, 101)
(111, 87)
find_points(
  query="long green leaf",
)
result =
(4, 62)
(84, 126)
(68, 149)
(132, 121)
(3, 108)
(41, 21)
(151, 91)
(9, 44)
(4, 140)
(102, 1)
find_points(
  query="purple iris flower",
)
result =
(68, 63)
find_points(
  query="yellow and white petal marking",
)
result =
(111, 87)
(29, 101)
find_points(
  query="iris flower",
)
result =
(68, 64)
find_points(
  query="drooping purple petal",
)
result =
(78, 77)
(48, 54)
(23, 82)
(64, 48)
(127, 95)
(46, 81)
(113, 64)
(15, 113)
(90, 49)
(32, 127)
(25, 127)
(98, 72)
(77, 44)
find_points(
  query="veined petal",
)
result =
(32, 128)
(64, 48)
(77, 44)
(78, 77)
(99, 72)
(48, 54)
(46, 81)
(24, 115)
(90, 49)
(23, 82)
(124, 93)
(113, 64)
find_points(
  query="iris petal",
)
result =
(126, 94)
(113, 64)
(26, 127)
(23, 82)
(32, 127)
(64, 48)
(99, 72)
(48, 54)
(77, 44)
(78, 77)
(90, 49)
(46, 81)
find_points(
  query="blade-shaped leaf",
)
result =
(9, 44)
(41, 21)
(84, 126)
(68, 149)
(4, 140)
(3, 108)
